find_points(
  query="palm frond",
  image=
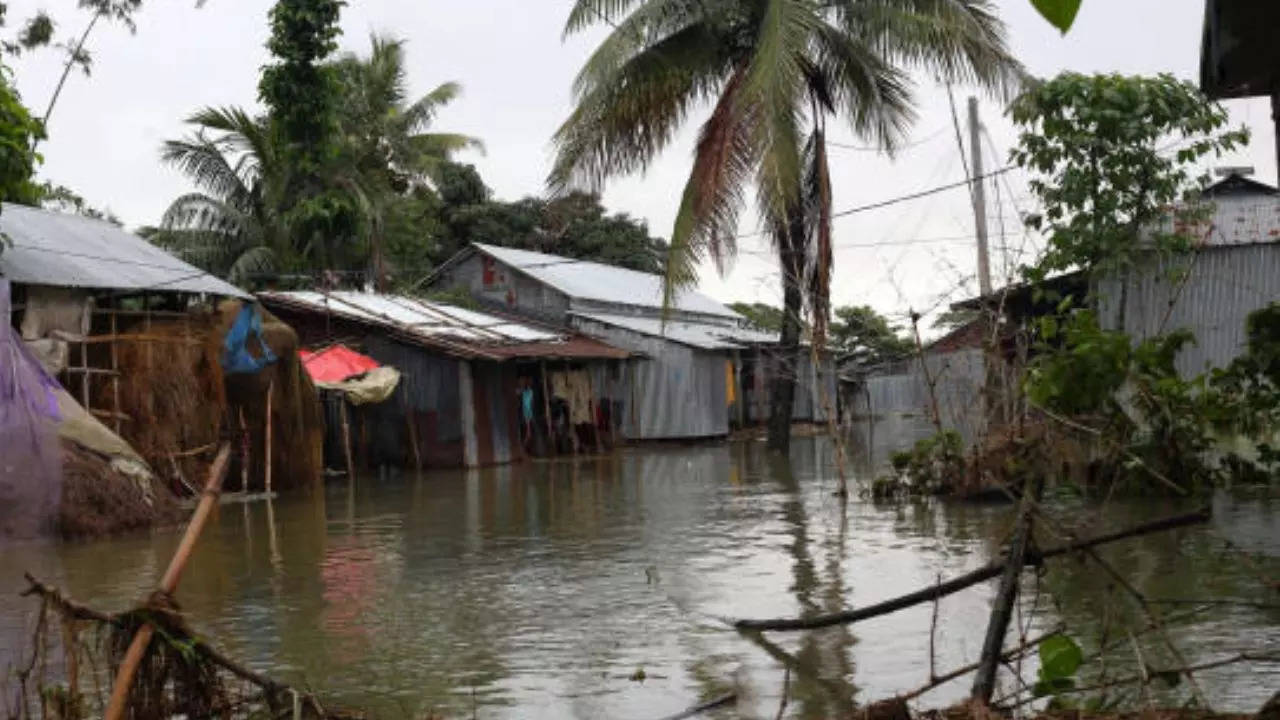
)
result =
(874, 96)
(442, 146)
(653, 20)
(254, 261)
(707, 221)
(422, 112)
(960, 41)
(621, 125)
(586, 13)
(775, 84)
(205, 162)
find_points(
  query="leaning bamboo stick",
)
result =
(346, 440)
(267, 450)
(168, 584)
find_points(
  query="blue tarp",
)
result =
(236, 358)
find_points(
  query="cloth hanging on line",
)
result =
(236, 358)
(574, 387)
(729, 385)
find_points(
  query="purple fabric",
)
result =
(30, 453)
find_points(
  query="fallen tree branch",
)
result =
(711, 704)
(969, 579)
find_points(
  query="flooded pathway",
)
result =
(596, 588)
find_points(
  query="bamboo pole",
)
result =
(84, 378)
(346, 439)
(244, 453)
(410, 425)
(168, 584)
(115, 378)
(546, 407)
(267, 450)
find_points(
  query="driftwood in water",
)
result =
(969, 579)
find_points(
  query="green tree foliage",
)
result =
(243, 221)
(1113, 199)
(773, 72)
(760, 316)
(868, 337)
(1093, 145)
(299, 89)
(574, 225)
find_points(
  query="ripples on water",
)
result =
(539, 591)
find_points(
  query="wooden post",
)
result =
(573, 428)
(546, 407)
(168, 584)
(595, 419)
(267, 449)
(346, 438)
(410, 425)
(115, 372)
(84, 374)
(244, 453)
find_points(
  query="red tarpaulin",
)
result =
(335, 363)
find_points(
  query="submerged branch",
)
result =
(969, 579)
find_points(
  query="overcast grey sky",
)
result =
(516, 71)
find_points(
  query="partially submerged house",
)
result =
(132, 335)
(463, 375)
(948, 379)
(697, 371)
(1232, 270)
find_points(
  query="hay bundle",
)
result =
(99, 500)
(171, 388)
(297, 424)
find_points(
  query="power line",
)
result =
(876, 148)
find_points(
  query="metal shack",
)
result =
(458, 402)
(1234, 270)
(693, 375)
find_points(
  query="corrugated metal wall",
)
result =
(1225, 284)
(676, 391)
(429, 389)
(807, 406)
(497, 427)
(959, 377)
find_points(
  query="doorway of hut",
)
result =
(567, 407)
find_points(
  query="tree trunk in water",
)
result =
(782, 399)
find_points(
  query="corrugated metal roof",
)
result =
(699, 335)
(582, 279)
(452, 328)
(66, 250)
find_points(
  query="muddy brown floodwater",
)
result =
(547, 590)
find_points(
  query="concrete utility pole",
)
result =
(979, 200)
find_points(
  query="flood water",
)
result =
(542, 590)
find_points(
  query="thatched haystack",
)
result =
(98, 499)
(297, 425)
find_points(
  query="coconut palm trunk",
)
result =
(791, 260)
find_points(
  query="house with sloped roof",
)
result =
(698, 370)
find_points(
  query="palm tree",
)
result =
(385, 137)
(231, 225)
(774, 71)
(238, 223)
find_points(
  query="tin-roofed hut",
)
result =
(461, 401)
(132, 334)
(698, 370)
